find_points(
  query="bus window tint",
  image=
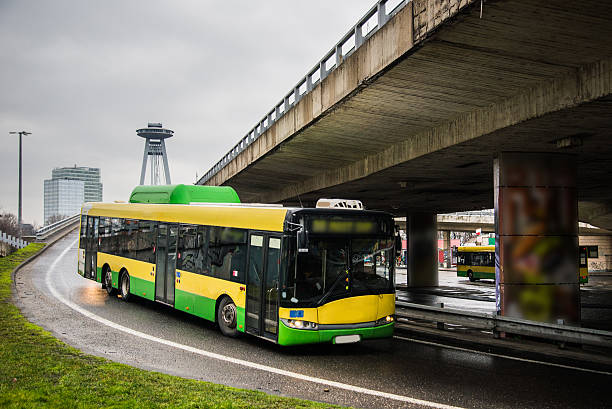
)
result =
(82, 240)
(322, 269)
(188, 248)
(146, 241)
(130, 239)
(226, 253)
(371, 264)
(105, 234)
(116, 229)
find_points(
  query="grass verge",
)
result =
(37, 370)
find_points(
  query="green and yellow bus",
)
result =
(476, 262)
(288, 275)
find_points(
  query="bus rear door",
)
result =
(262, 285)
(165, 262)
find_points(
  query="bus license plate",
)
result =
(347, 339)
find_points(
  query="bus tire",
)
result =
(108, 281)
(470, 274)
(124, 285)
(227, 317)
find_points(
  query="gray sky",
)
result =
(82, 76)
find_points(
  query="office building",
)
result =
(91, 177)
(68, 189)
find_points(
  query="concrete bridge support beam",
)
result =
(536, 224)
(446, 245)
(422, 261)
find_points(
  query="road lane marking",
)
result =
(514, 358)
(229, 359)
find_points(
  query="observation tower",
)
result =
(155, 147)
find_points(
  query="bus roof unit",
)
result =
(183, 194)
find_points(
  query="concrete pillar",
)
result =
(536, 246)
(446, 246)
(422, 235)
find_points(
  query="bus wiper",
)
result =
(333, 287)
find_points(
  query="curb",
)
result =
(27, 261)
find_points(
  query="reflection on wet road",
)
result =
(386, 373)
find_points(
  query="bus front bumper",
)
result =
(291, 336)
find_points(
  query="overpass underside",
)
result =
(460, 105)
(413, 119)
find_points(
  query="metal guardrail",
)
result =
(369, 24)
(53, 228)
(498, 324)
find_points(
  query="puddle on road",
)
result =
(91, 295)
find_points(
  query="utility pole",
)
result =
(21, 134)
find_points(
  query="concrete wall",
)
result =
(604, 262)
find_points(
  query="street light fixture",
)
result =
(21, 134)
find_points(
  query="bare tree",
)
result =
(8, 224)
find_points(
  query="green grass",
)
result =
(37, 370)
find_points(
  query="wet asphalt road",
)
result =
(434, 374)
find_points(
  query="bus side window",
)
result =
(146, 241)
(206, 268)
(83, 234)
(187, 248)
(130, 239)
(104, 234)
(223, 244)
(115, 230)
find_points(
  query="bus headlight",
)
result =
(385, 320)
(300, 324)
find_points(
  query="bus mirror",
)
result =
(302, 241)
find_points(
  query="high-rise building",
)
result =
(63, 198)
(91, 177)
(68, 189)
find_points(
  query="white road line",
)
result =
(224, 358)
(514, 358)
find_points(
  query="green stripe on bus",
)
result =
(142, 288)
(115, 276)
(290, 336)
(203, 307)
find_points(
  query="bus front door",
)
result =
(91, 249)
(165, 262)
(262, 285)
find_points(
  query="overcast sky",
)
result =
(82, 76)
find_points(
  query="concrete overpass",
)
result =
(454, 105)
(413, 118)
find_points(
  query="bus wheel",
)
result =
(124, 286)
(471, 275)
(227, 316)
(108, 282)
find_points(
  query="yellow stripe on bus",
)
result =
(135, 268)
(256, 218)
(480, 269)
(210, 287)
(474, 249)
(365, 308)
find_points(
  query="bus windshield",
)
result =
(336, 268)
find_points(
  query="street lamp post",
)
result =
(21, 134)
